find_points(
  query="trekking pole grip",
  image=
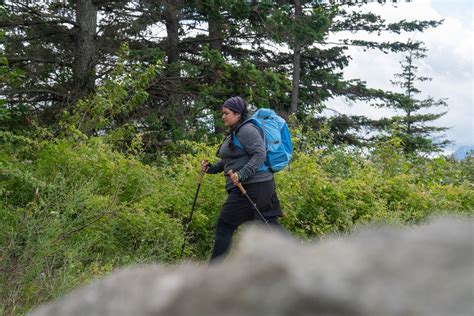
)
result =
(201, 175)
(239, 185)
(203, 171)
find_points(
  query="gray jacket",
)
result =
(245, 161)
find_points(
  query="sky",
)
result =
(449, 63)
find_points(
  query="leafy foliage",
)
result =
(73, 210)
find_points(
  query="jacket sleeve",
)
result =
(216, 167)
(251, 139)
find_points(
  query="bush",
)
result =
(72, 211)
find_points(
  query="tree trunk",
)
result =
(215, 30)
(172, 29)
(296, 63)
(214, 20)
(172, 18)
(86, 49)
(296, 78)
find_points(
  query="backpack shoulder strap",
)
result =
(249, 120)
(265, 167)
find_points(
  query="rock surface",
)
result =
(428, 270)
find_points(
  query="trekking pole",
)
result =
(190, 217)
(244, 192)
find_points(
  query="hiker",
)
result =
(243, 164)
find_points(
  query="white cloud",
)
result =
(449, 63)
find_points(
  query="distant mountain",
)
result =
(464, 151)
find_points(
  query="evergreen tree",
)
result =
(273, 53)
(412, 126)
(314, 63)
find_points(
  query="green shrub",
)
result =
(72, 211)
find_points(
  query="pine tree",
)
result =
(273, 53)
(412, 126)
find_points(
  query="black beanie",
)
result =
(236, 104)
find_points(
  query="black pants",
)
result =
(225, 231)
(237, 210)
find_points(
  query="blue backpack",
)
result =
(276, 136)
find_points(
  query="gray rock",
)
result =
(426, 270)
